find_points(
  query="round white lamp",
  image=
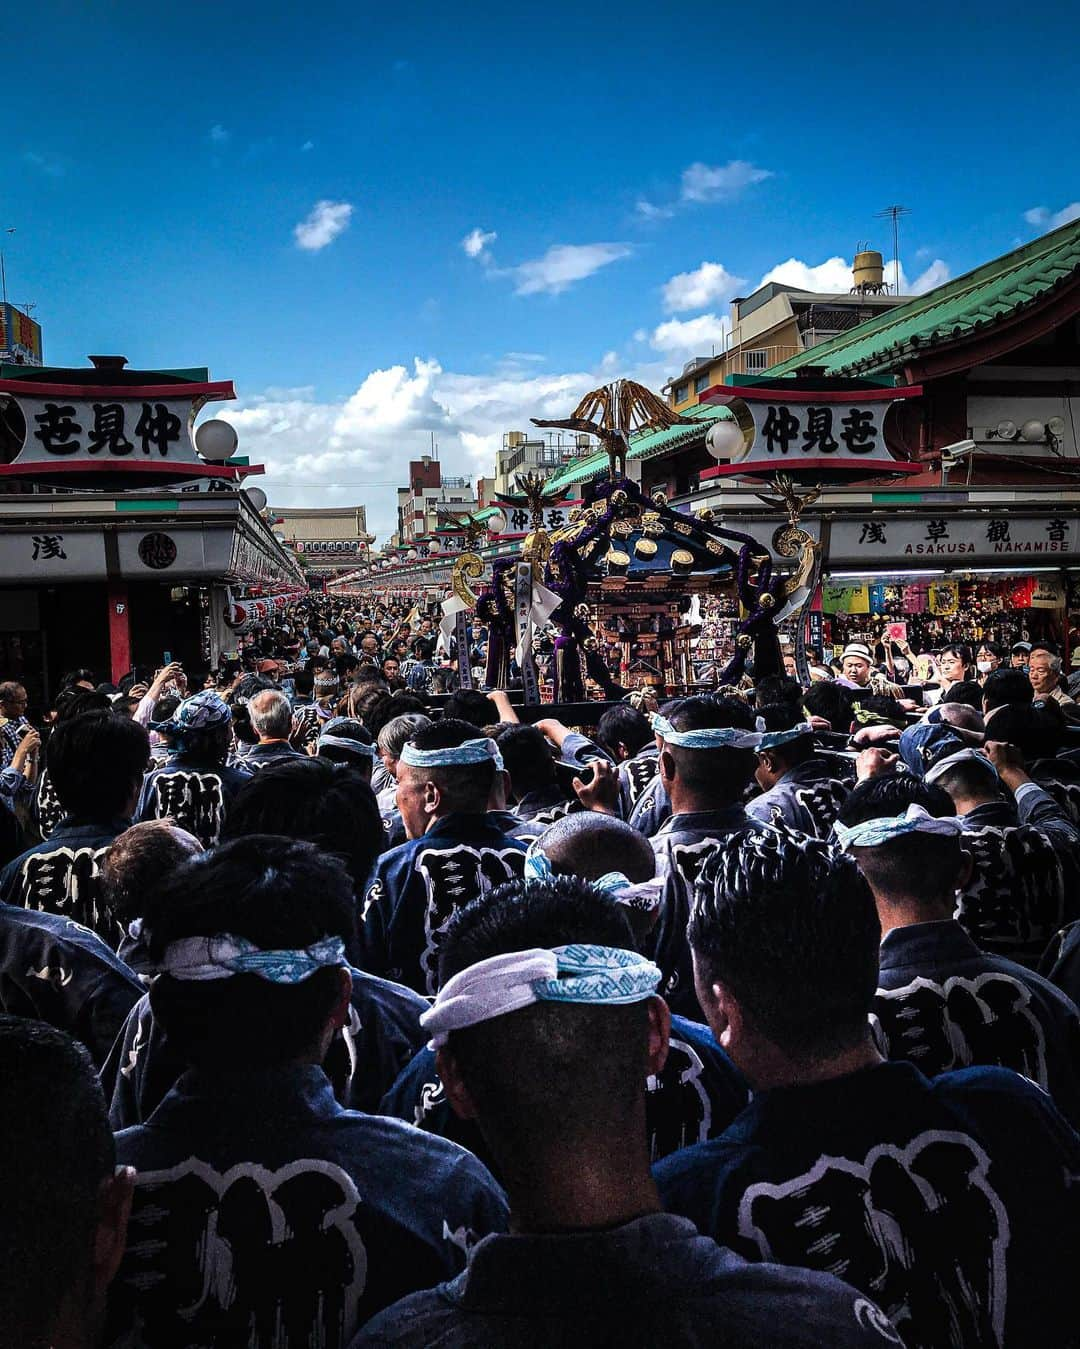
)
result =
(724, 439)
(1033, 431)
(216, 441)
(257, 497)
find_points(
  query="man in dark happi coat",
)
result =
(543, 1025)
(96, 762)
(941, 1002)
(264, 1213)
(952, 1202)
(800, 789)
(454, 853)
(707, 758)
(195, 786)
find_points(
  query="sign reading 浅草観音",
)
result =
(992, 537)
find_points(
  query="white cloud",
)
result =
(562, 265)
(307, 145)
(935, 275)
(709, 284)
(355, 451)
(477, 243)
(326, 220)
(218, 134)
(640, 335)
(690, 336)
(1046, 219)
(720, 182)
(832, 277)
(648, 210)
(701, 183)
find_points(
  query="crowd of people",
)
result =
(341, 1005)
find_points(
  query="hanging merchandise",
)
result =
(878, 599)
(915, 599)
(1047, 593)
(1021, 592)
(944, 598)
(845, 599)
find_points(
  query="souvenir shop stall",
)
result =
(933, 611)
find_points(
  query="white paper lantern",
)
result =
(434, 545)
(412, 554)
(257, 497)
(216, 441)
(1033, 431)
(724, 439)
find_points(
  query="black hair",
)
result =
(470, 705)
(791, 930)
(967, 778)
(389, 706)
(527, 758)
(784, 717)
(777, 688)
(58, 1149)
(1007, 686)
(81, 676)
(831, 701)
(718, 775)
(995, 649)
(961, 652)
(74, 702)
(916, 868)
(96, 761)
(317, 802)
(1037, 732)
(888, 796)
(303, 683)
(586, 1064)
(279, 894)
(965, 691)
(624, 725)
(466, 787)
(348, 728)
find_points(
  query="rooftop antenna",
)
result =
(894, 213)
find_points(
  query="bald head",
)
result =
(590, 845)
(271, 715)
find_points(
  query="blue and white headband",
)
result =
(597, 975)
(773, 739)
(645, 896)
(966, 755)
(344, 742)
(480, 750)
(873, 833)
(197, 959)
(721, 737)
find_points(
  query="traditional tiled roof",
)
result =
(958, 309)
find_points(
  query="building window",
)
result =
(682, 393)
(756, 361)
(701, 383)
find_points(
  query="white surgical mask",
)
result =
(985, 666)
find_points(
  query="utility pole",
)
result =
(894, 213)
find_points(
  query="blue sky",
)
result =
(619, 174)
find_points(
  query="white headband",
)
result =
(197, 959)
(600, 975)
(481, 750)
(644, 896)
(873, 833)
(966, 755)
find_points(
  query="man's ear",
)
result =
(457, 1093)
(432, 797)
(115, 1194)
(967, 866)
(339, 1016)
(659, 1035)
(667, 766)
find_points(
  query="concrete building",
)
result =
(537, 452)
(428, 494)
(778, 322)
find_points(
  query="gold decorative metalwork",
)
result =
(681, 527)
(682, 559)
(466, 567)
(790, 540)
(715, 546)
(645, 548)
(612, 413)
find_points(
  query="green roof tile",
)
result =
(955, 310)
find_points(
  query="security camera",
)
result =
(958, 450)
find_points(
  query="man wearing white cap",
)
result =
(858, 673)
(454, 852)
